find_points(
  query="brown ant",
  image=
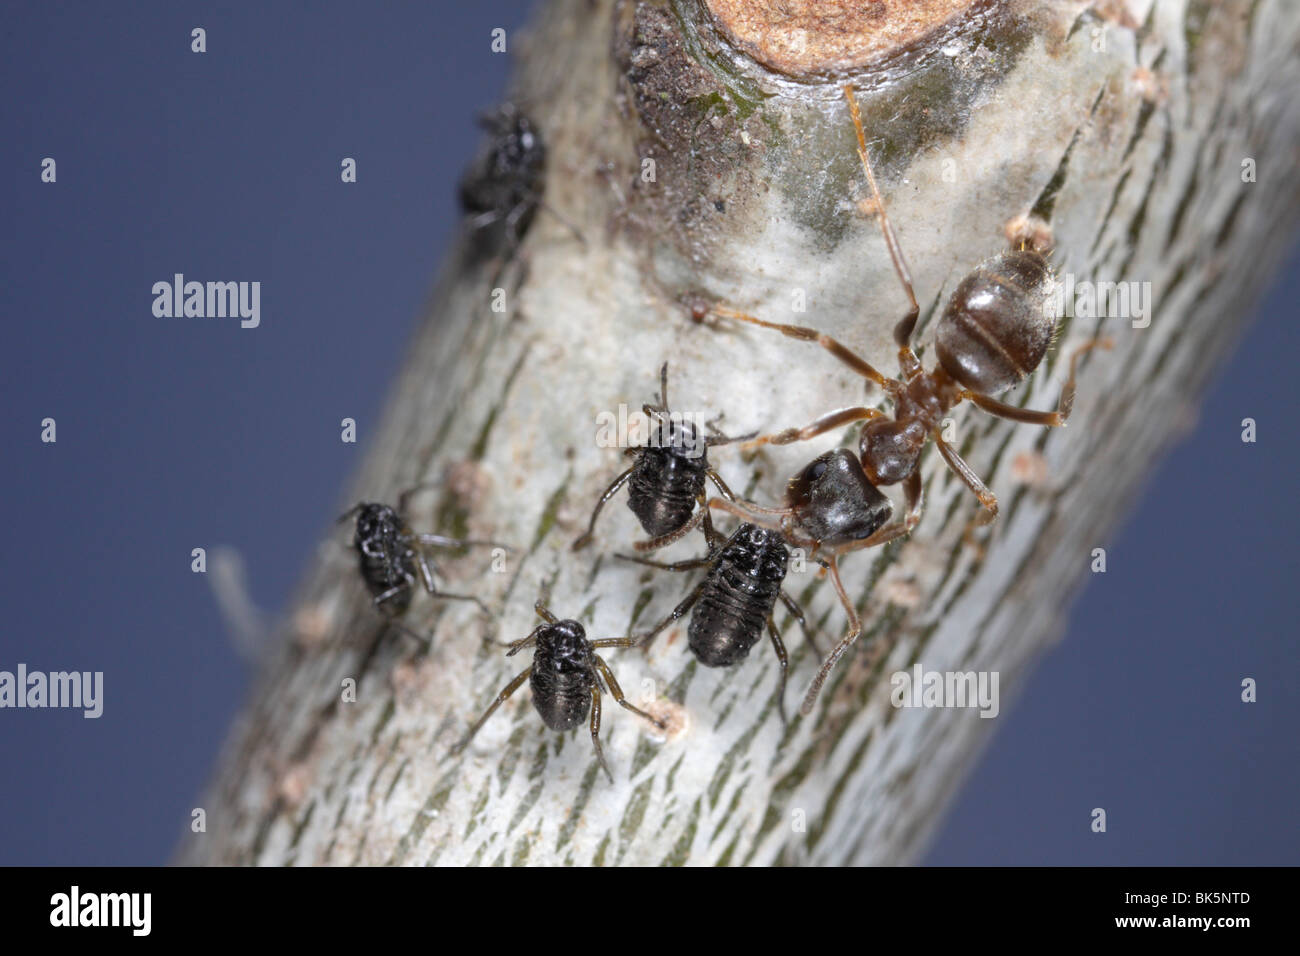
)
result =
(566, 679)
(991, 336)
(667, 478)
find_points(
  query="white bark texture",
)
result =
(1125, 128)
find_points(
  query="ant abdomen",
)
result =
(740, 592)
(995, 330)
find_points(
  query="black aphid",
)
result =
(391, 557)
(565, 677)
(735, 600)
(666, 480)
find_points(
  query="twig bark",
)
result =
(698, 173)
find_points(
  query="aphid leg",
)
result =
(404, 497)
(796, 612)
(785, 666)
(506, 691)
(972, 481)
(689, 564)
(1030, 416)
(529, 641)
(595, 730)
(350, 513)
(385, 596)
(850, 635)
(663, 387)
(612, 490)
(543, 204)
(902, 331)
(840, 351)
(654, 544)
(718, 438)
(676, 615)
(425, 639)
(545, 613)
(442, 541)
(426, 576)
(824, 424)
(617, 692)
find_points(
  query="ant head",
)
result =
(565, 645)
(833, 502)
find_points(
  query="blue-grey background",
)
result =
(180, 433)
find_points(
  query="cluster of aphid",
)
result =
(991, 336)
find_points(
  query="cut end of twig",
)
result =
(800, 37)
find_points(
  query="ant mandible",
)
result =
(992, 335)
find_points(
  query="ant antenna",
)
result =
(903, 332)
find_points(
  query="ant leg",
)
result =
(595, 730)
(840, 351)
(663, 387)
(796, 612)
(529, 641)
(654, 544)
(612, 490)
(824, 424)
(785, 666)
(544, 613)
(902, 331)
(1028, 415)
(617, 693)
(506, 691)
(751, 513)
(851, 635)
(964, 472)
(676, 615)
